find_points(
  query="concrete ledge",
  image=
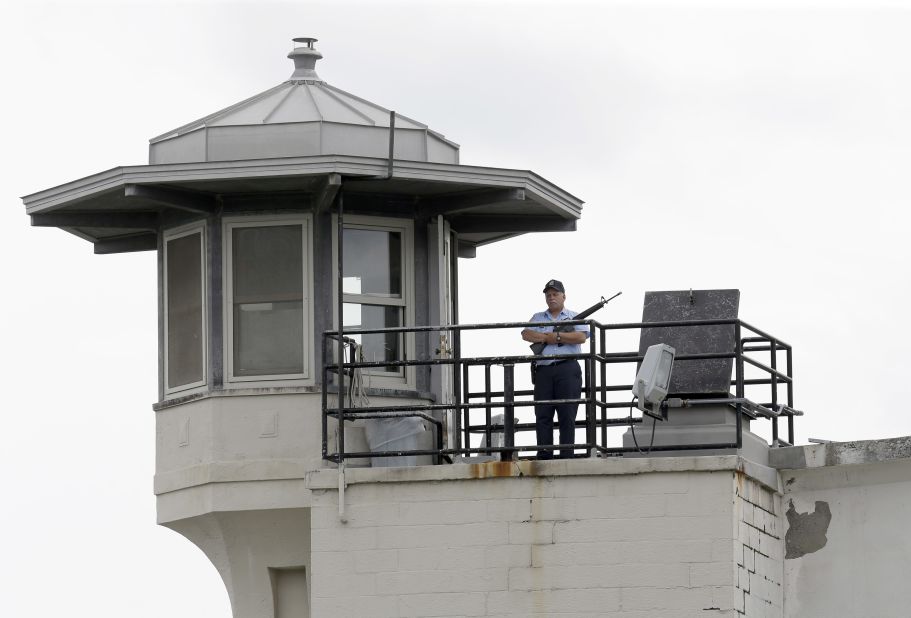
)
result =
(840, 453)
(326, 479)
(231, 497)
(252, 485)
(179, 400)
(240, 391)
(232, 471)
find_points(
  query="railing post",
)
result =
(602, 340)
(509, 412)
(324, 397)
(341, 402)
(465, 414)
(739, 388)
(774, 365)
(457, 388)
(488, 435)
(590, 431)
(790, 369)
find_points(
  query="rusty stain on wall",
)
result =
(806, 531)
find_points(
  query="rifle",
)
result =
(537, 348)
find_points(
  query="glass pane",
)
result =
(184, 311)
(377, 347)
(268, 338)
(663, 375)
(267, 263)
(267, 303)
(372, 262)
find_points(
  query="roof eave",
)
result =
(80, 191)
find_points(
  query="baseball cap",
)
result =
(557, 285)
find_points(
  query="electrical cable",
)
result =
(632, 429)
(358, 389)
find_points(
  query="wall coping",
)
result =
(328, 479)
(840, 453)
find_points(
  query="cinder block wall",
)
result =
(758, 550)
(656, 537)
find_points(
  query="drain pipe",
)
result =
(342, 481)
(391, 143)
(342, 516)
(391, 157)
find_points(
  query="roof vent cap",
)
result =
(304, 56)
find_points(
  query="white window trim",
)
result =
(294, 379)
(406, 227)
(174, 234)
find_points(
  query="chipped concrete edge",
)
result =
(840, 453)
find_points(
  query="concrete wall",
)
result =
(263, 557)
(821, 533)
(847, 545)
(210, 450)
(654, 537)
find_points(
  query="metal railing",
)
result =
(461, 415)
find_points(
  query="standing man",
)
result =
(556, 378)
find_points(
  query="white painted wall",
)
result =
(230, 477)
(655, 537)
(251, 549)
(862, 568)
(209, 452)
(621, 537)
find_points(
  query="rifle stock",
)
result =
(537, 348)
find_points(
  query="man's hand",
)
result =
(533, 336)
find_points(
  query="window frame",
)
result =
(168, 236)
(229, 224)
(405, 227)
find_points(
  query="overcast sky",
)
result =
(758, 146)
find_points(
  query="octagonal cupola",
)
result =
(303, 116)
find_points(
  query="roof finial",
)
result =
(305, 57)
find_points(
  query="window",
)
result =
(268, 296)
(375, 284)
(184, 293)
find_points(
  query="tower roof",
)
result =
(298, 143)
(302, 116)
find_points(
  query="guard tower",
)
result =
(271, 218)
(304, 217)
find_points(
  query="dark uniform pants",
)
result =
(561, 380)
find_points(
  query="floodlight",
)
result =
(653, 379)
